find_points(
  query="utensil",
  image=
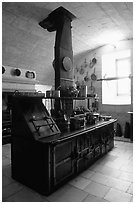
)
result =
(85, 63)
(81, 70)
(77, 69)
(93, 62)
(86, 78)
(53, 64)
(77, 82)
(93, 76)
(91, 88)
(112, 78)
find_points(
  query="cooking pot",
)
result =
(77, 123)
(53, 93)
(83, 91)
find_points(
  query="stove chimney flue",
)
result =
(60, 20)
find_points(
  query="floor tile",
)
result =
(6, 170)
(6, 180)
(108, 171)
(11, 189)
(6, 147)
(126, 168)
(112, 165)
(108, 157)
(117, 196)
(97, 189)
(118, 184)
(68, 193)
(91, 198)
(126, 176)
(110, 181)
(87, 174)
(6, 150)
(79, 182)
(99, 178)
(95, 167)
(119, 161)
(25, 195)
(6, 161)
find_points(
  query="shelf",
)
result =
(69, 98)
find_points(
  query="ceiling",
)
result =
(96, 23)
(27, 44)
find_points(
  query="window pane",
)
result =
(123, 67)
(117, 64)
(123, 87)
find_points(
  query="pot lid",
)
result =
(67, 64)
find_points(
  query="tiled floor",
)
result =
(110, 179)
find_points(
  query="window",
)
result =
(117, 65)
(123, 70)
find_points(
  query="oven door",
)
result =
(63, 161)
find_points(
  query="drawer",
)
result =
(63, 170)
(64, 150)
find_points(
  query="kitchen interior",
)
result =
(67, 101)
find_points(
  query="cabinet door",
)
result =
(63, 160)
(97, 151)
(104, 139)
(110, 137)
(82, 144)
(84, 151)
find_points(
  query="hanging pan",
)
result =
(91, 89)
(86, 78)
(93, 62)
(81, 70)
(93, 76)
